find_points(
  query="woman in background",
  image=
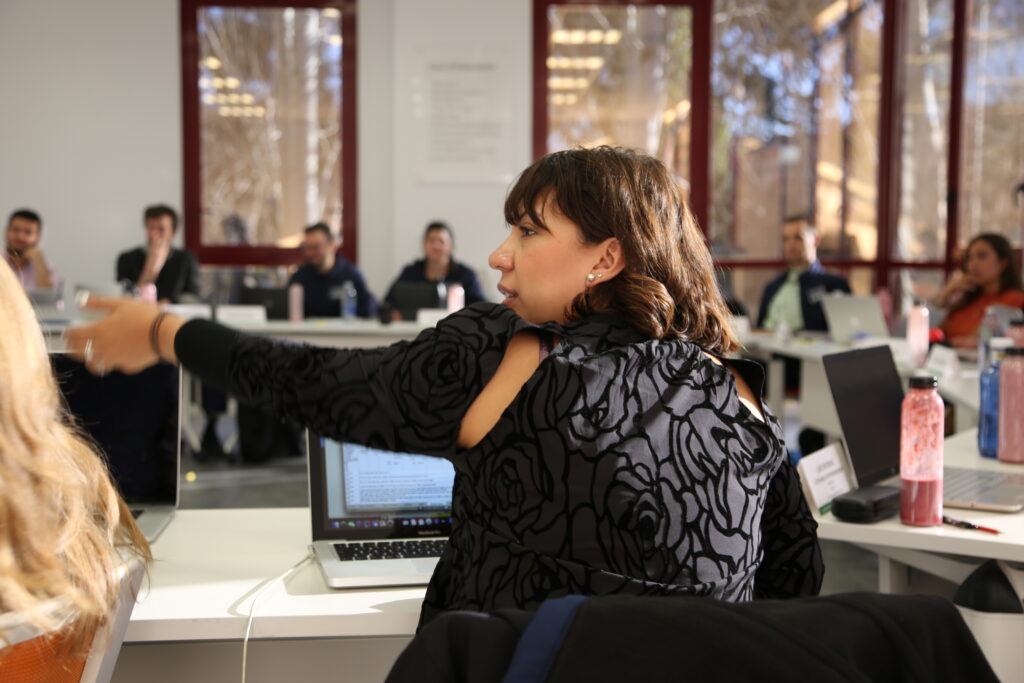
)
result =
(437, 265)
(988, 276)
(601, 441)
(64, 530)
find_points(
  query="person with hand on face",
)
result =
(794, 297)
(324, 275)
(988, 276)
(23, 255)
(437, 265)
(602, 441)
(173, 271)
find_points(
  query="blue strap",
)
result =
(539, 645)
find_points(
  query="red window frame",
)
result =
(192, 209)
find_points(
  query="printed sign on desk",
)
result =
(823, 475)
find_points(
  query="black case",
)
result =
(867, 504)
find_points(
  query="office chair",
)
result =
(43, 663)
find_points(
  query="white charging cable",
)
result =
(252, 605)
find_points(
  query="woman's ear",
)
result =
(611, 259)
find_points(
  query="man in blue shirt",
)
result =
(326, 276)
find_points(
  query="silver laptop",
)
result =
(849, 317)
(135, 420)
(379, 518)
(868, 395)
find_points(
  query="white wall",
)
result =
(90, 125)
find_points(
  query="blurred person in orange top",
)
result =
(64, 530)
(987, 276)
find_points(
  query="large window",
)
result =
(615, 74)
(269, 127)
(896, 124)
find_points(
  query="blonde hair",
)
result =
(63, 527)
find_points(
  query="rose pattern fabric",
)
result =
(624, 464)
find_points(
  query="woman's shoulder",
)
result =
(1012, 297)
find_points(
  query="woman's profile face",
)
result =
(544, 267)
(983, 264)
(437, 245)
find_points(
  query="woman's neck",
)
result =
(991, 288)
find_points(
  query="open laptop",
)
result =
(410, 297)
(379, 518)
(849, 317)
(274, 299)
(135, 420)
(868, 395)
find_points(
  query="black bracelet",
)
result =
(154, 333)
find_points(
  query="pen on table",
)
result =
(969, 525)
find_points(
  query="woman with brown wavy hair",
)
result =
(601, 443)
(64, 530)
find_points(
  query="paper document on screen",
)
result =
(378, 480)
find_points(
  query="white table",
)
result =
(942, 551)
(817, 409)
(337, 332)
(193, 610)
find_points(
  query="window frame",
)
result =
(191, 138)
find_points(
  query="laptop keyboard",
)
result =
(390, 550)
(959, 482)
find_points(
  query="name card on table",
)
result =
(943, 361)
(823, 475)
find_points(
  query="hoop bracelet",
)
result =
(154, 333)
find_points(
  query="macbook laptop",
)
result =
(849, 317)
(274, 299)
(135, 420)
(410, 297)
(868, 395)
(379, 518)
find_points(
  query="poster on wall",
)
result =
(461, 117)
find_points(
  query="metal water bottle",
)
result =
(988, 404)
(1011, 406)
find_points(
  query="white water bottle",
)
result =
(456, 297)
(917, 335)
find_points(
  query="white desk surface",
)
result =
(209, 564)
(961, 451)
(332, 326)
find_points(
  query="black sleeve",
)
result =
(766, 297)
(190, 284)
(409, 396)
(471, 284)
(791, 564)
(124, 268)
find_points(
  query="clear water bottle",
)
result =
(988, 411)
(349, 299)
(1011, 406)
(921, 440)
(989, 328)
(917, 335)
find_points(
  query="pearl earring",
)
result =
(593, 276)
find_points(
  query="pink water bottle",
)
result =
(295, 303)
(1011, 406)
(917, 335)
(921, 438)
(456, 297)
(1016, 332)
